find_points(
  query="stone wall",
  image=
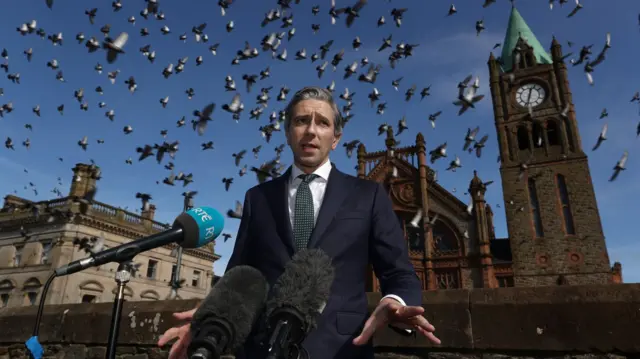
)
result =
(544, 322)
(582, 258)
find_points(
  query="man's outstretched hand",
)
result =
(390, 311)
(183, 333)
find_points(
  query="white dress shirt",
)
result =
(318, 187)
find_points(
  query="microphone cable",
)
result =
(33, 346)
(43, 297)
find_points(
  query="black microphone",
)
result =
(193, 228)
(225, 318)
(299, 297)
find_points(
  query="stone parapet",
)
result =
(594, 321)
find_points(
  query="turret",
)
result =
(477, 189)
(84, 180)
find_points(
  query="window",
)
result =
(173, 273)
(445, 241)
(152, 268)
(566, 207)
(195, 281)
(537, 136)
(88, 298)
(505, 281)
(567, 127)
(414, 236)
(553, 136)
(535, 208)
(46, 249)
(522, 61)
(531, 61)
(18, 257)
(4, 300)
(523, 138)
(32, 297)
(447, 278)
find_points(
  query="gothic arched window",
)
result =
(566, 206)
(523, 61)
(523, 138)
(535, 208)
(413, 235)
(569, 132)
(445, 241)
(553, 135)
(531, 60)
(537, 136)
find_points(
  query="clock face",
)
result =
(530, 95)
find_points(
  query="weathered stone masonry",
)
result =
(594, 321)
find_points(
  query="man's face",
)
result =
(311, 133)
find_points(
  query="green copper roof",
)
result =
(519, 28)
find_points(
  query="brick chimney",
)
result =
(616, 272)
(149, 214)
(84, 180)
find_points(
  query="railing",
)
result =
(103, 209)
(408, 155)
(157, 226)
(408, 149)
(132, 218)
(96, 209)
(374, 155)
(57, 203)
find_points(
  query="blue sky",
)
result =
(449, 50)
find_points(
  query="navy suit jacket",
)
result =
(356, 226)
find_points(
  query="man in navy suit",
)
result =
(313, 205)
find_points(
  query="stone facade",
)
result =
(553, 219)
(33, 244)
(82, 351)
(453, 251)
(595, 321)
(555, 233)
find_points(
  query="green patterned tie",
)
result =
(303, 217)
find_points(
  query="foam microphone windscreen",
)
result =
(305, 286)
(236, 300)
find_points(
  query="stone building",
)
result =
(37, 237)
(555, 233)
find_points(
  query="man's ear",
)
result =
(336, 140)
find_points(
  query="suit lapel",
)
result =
(280, 203)
(337, 190)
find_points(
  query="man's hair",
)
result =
(314, 93)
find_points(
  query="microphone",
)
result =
(226, 316)
(191, 229)
(299, 297)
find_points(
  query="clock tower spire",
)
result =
(552, 215)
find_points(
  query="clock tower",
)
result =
(551, 210)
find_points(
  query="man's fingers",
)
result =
(429, 336)
(408, 312)
(177, 349)
(423, 323)
(184, 315)
(367, 331)
(168, 336)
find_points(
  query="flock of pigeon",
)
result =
(279, 28)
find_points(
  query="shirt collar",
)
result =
(322, 171)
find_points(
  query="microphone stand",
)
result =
(176, 276)
(123, 275)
